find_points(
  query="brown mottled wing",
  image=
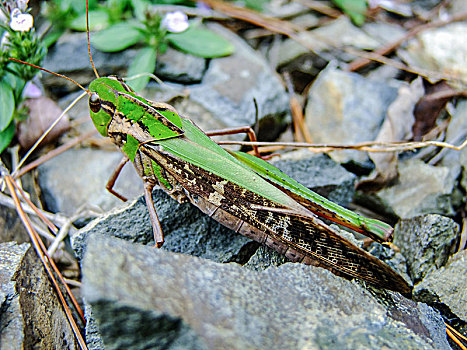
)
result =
(301, 239)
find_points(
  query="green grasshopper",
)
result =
(241, 191)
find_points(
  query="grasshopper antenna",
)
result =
(48, 71)
(89, 42)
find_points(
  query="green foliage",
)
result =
(117, 37)
(7, 105)
(201, 42)
(145, 62)
(257, 5)
(355, 9)
(6, 136)
(98, 19)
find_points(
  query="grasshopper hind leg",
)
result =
(156, 225)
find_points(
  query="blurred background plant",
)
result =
(18, 40)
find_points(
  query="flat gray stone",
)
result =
(320, 174)
(420, 189)
(166, 300)
(77, 178)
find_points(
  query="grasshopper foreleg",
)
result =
(113, 178)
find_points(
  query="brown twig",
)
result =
(320, 7)
(372, 56)
(453, 334)
(370, 146)
(271, 23)
(54, 153)
(301, 129)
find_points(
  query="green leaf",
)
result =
(145, 62)
(7, 105)
(117, 37)
(51, 37)
(139, 9)
(201, 42)
(98, 20)
(355, 9)
(80, 6)
(6, 136)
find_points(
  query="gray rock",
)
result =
(230, 84)
(432, 50)
(447, 286)
(31, 316)
(11, 226)
(176, 66)
(186, 230)
(345, 108)
(338, 33)
(11, 321)
(457, 6)
(93, 337)
(78, 177)
(69, 56)
(320, 174)
(420, 189)
(146, 297)
(456, 133)
(426, 242)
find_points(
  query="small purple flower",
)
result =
(175, 22)
(31, 90)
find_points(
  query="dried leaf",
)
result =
(430, 106)
(42, 113)
(396, 127)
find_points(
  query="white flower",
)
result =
(21, 22)
(175, 22)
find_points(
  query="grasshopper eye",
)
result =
(95, 102)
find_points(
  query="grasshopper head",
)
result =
(103, 101)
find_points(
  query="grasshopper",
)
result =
(241, 191)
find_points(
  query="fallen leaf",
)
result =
(396, 127)
(429, 108)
